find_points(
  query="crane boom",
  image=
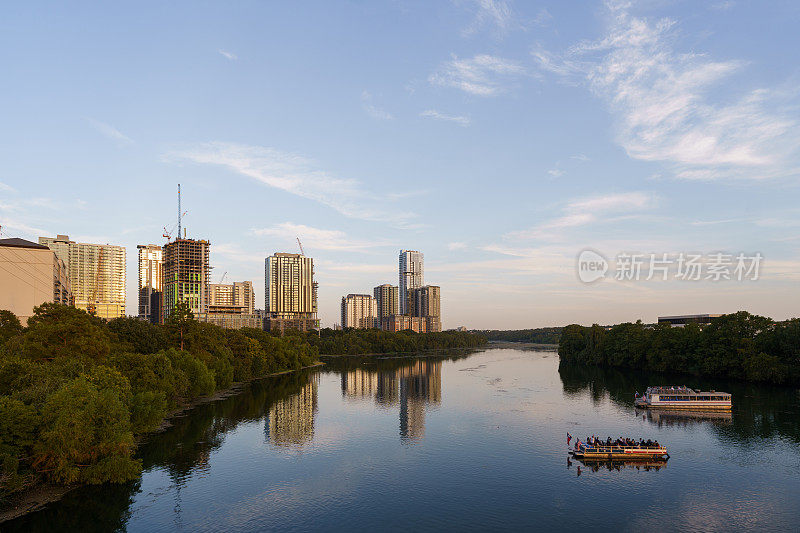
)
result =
(300, 244)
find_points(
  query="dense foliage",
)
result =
(76, 390)
(374, 341)
(739, 345)
(538, 335)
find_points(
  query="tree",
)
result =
(10, 326)
(180, 320)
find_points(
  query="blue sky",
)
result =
(500, 138)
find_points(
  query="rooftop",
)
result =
(21, 243)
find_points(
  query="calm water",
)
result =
(469, 442)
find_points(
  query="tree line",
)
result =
(738, 346)
(352, 341)
(536, 335)
(75, 391)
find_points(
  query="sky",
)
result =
(500, 138)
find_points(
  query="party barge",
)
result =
(683, 398)
(621, 449)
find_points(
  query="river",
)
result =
(466, 442)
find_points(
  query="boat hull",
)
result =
(694, 406)
(627, 454)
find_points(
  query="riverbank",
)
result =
(416, 353)
(522, 345)
(39, 495)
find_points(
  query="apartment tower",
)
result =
(97, 274)
(386, 299)
(150, 282)
(412, 276)
(290, 293)
(359, 311)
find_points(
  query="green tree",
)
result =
(180, 321)
(10, 326)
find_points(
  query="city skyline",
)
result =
(506, 139)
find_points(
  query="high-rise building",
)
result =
(412, 275)
(237, 297)
(30, 275)
(425, 302)
(359, 311)
(386, 298)
(186, 273)
(231, 306)
(96, 272)
(150, 280)
(290, 293)
(404, 322)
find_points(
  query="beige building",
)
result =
(412, 276)
(97, 274)
(232, 306)
(359, 311)
(186, 275)
(291, 293)
(425, 302)
(150, 282)
(386, 298)
(237, 297)
(30, 275)
(404, 322)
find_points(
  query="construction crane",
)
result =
(223, 277)
(168, 232)
(300, 244)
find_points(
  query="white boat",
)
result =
(672, 397)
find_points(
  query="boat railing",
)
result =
(616, 448)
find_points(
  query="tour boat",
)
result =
(682, 398)
(627, 453)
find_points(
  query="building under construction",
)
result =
(186, 275)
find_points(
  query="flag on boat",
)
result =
(569, 438)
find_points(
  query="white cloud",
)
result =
(556, 172)
(482, 75)
(296, 175)
(228, 55)
(6, 188)
(372, 110)
(665, 107)
(492, 13)
(579, 157)
(453, 246)
(590, 211)
(110, 131)
(458, 119)
(317, 238)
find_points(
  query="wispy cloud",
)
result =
(296, 175)
(228, 55)
(454, 246)
(6, 188)
(110, 131)
(590, 210)
(373, 110)
(458, 119)
(481, 75)
(665, 106)
(556, 172)
(318, 238)
(494, 14)
(579, 157)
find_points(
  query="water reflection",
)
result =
(759, 411)
(413, 386)
(291, 419)
(682, 417)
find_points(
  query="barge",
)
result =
(672, 397)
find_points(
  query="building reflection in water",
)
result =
(413, 387)
(682, 417)
(291, 419)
